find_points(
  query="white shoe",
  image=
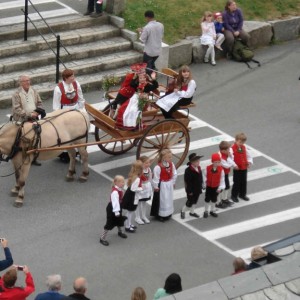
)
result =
(146, 220)
(139, 221)
(213, 63)
(206, 60)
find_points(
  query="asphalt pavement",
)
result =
(57, 230)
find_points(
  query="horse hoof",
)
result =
(82, 179)
(69, 179)
(18, 204)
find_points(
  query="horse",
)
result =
(59, 128)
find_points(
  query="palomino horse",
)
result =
(59, 128)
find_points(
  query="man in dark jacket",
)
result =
(8, 261)
(80, 288)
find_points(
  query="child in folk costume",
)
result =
(182, 95)
(146, 193)
(164, 178)
(243, 159)
(132, 194)
(219, 26)
(193, 181)
(214, 181)
(208, 37)
(113, 210)
(227, 162)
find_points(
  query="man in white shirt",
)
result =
(151, 36)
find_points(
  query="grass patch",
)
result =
(182, 18)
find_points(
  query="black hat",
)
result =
(193, 157)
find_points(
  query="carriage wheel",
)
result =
(113, 148)
(167, 134)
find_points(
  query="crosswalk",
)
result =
(11, 13)
(273, 188)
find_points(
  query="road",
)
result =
(57, 230)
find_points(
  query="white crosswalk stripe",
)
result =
(62, 10)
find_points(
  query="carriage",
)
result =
(153, 134)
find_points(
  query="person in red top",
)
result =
(114, 211)
(243, 160)
(214, 181)
(227, 162)
(10, 291)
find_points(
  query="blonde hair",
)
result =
(117, 179)
(135, 171)
(163, 153)
(206, 14)
(258, 252)
(180, 78)
(144, 158)
(138, 294)
(241, 137)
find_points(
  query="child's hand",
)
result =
(156, 190)
(117, 214)
(236, 168)
(219, 191)
(191, 194)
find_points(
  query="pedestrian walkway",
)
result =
(273, 189)
(48, 9)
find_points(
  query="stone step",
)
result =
(89, 73)
(58, 25)
(82, 51)
(13, 47)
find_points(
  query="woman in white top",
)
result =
(208, 37)
(68, 93)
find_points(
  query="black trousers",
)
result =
(92, 4)
(239, 187)
(211, 194)
(150, 61)
(181, 102)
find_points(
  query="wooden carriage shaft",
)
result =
(83, 144)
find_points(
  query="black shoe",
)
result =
(134, 227)
(245, 198)
(227, 202)
(213, 214)
(87, 13)
(104, 242)
(205, 215)
(122, 235)
(130, 229)
(234, 199)
(182, 215)
(194, 215)
(64, 157)
(36, 163)
(161, 219)
(222, 205)
(96, 15)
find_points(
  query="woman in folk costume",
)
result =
(128, 112)
(164, 178)
(193, 181)
(132, 194)
(68, 93)
(183, 93)
(146, 193)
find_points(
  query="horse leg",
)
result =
(71, 171)
(15, 190)
(85, 167)
(22, 171)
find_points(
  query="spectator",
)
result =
(92, 4)
(54, 286)
(256, 253)
(80, 288)
(172, 286)
(239, 265)
(138, 294)
(10, 291)
(8, 261)
(151, 35)
(233, 23)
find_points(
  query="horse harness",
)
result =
(34, 142)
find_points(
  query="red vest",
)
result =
(224, 156)
(126, 90)
(145, 176)
(119, 192)
(240, 156)
(64, 100)
(166, 174)
(213, 177)
(184, 88)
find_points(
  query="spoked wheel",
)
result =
(167, 134)
(115, 147)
